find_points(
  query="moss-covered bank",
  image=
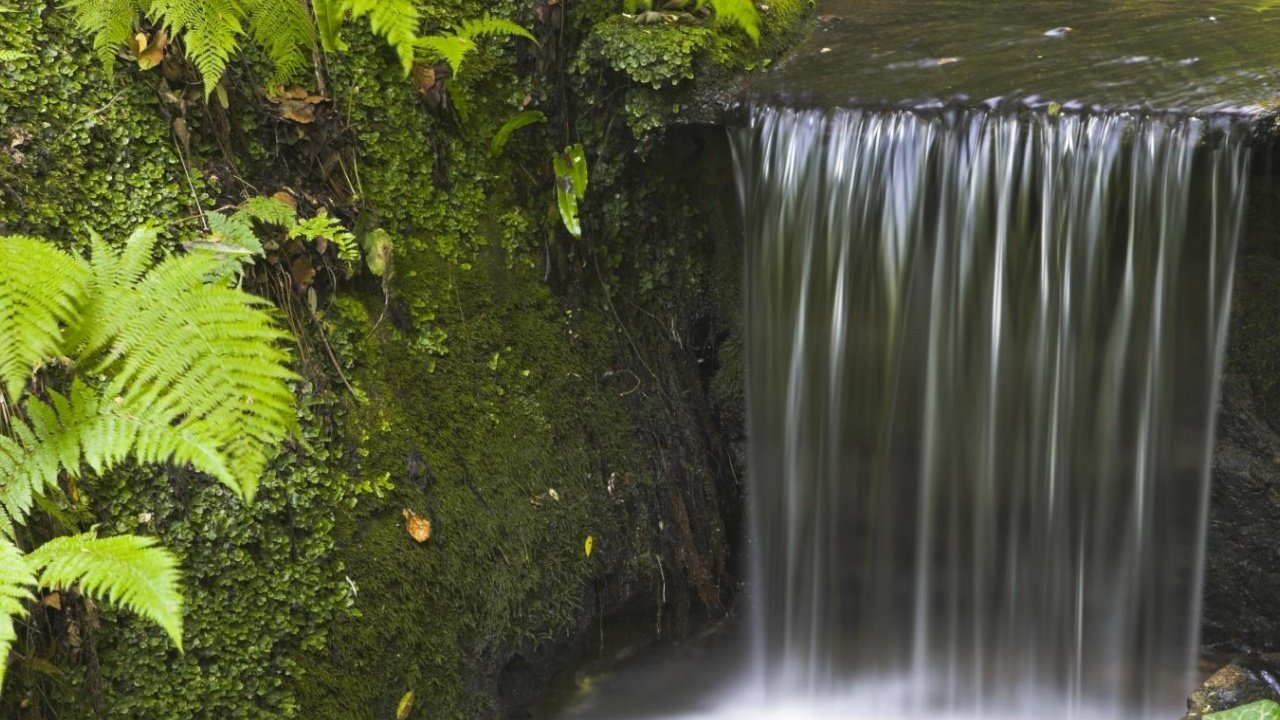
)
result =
(523, 391)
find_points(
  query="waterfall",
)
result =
(983, 350)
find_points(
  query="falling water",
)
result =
(983, 358)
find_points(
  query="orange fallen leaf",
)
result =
(150, 51)
(298, 111)
(53, 600)
(418, 527)
(286, 198)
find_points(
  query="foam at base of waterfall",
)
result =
(885, 699)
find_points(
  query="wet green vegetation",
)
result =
(520, 389)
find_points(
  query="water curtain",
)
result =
(983, 351)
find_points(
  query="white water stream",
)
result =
(983, 351)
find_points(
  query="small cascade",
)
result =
(983, 351)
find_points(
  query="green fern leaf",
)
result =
(489, 25)
(127, 570)
(327, 227)
(210, 31)
(41, 290)
(111, 23)
(233, 231)
(206, 359)
(268, 210)
(396, 21)
(17, 577)
(450, 48)
(283, 28)
(7, 56)
(454, 47)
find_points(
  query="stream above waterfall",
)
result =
(1156, 54)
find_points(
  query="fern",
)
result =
(181, 372)
(283, 28)
(204, 359)
(268, 210)
(7, 56)
(194, 373)
(395, 20)
(324, 226)
(111, 23)
(41, 290)
(16, 579)
(210, 31)
(454, 47)
(234, 232)
(128, 570)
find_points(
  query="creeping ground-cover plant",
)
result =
(1260, 710)
(119, 358)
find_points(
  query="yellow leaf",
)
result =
(405, 706)
(150, 52)
(588, 545)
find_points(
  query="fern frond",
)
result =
(283, 28)
(129, 571)
(268, 210)
(322, 225)
(210, 31)
(111, 272)
(37, 449)
(17, 577)
(450, 48)
(111, 23)
(396, 21)
(489, 25)
(742, 13)
(233, 231)
(205, 359)
(41, 291)
(454, 47)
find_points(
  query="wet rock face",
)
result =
(1242, 563)
(1242, 681)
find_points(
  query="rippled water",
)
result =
(1165, 54)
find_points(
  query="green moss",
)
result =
(477, 445)
(78, 150)
(663, 60)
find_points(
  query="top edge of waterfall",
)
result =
(740, 111)
(1087, 56)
